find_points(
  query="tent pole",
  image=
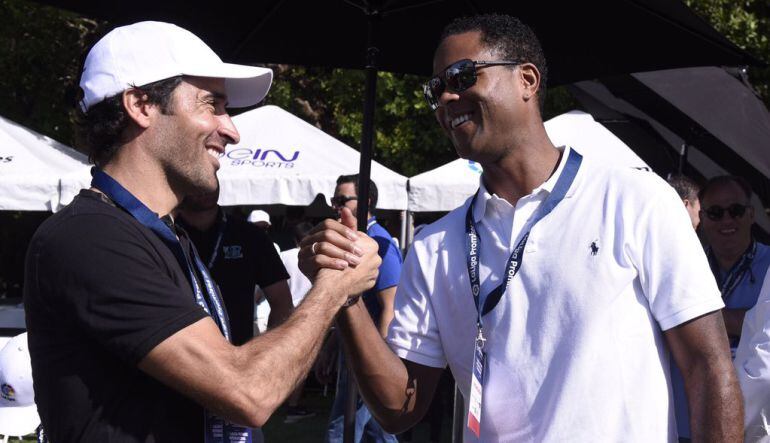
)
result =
(402, 234)
(364, 173)
(458, 411)
(683, 158)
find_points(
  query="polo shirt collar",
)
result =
(484, 196)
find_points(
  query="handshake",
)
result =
(335, 255)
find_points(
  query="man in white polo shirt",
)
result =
(555, 293)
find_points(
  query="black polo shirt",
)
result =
(101, 291)
(245, 258)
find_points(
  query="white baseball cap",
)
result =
(18, 413)
(258, 215)
(147, 52)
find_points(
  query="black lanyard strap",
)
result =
(209, 299)
(473, 242)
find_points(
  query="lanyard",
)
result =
(728, 284)
(218, 242)
(516, 259)
(124, 199)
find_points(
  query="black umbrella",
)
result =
(709, 111)
(582, 40)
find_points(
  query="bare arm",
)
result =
(733, 321)
(701, 351)
(386, 298)
(245, 384)
(278, 296)
(398, 392)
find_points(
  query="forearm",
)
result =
(382, 377)
(733, 321)
(715, 402)
(271, 366)
(279, 312)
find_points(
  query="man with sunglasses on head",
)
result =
(555, 293)
(738, 261)
(378, 302)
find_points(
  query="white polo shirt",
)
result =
(752, 363)
(574, 348)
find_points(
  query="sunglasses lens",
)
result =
(715, 213)
(736, 210)
(461, 76)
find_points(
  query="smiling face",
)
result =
(729, 234)
(485, 120)
(193, 135)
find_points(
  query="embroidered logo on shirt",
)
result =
(233, 252)
(594, 247)
(7, 392)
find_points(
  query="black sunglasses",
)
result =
(340, 200)
(715, 213)
(457, 77)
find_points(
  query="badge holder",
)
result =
(477, 385)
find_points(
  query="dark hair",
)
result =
(684, 186)
(725, 179)
(353, 178)
(301, 230)
(509, 38)
(99, 131)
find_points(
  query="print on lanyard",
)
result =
(735, 275)
(473, 245)
(145, 216)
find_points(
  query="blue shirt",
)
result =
(746, 293)
(390, 269)
(744, 296)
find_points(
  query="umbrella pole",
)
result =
(364, 173)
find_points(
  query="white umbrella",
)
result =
(281, 159)
(448, 186)
(32, 168)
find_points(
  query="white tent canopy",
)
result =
(448, 186)
(281, 159)
(33, 168)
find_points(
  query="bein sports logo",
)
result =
(262, 158)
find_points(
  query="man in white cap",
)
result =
(18, 413)
(259, 218)
(128, 336)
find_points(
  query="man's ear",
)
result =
(530, 80)
(137, 107)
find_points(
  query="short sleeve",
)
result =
(414, 333)
(390, 269)
(673, 269)
(270, 267)
(107, 278)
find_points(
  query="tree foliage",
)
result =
(42, 49)
(747, 24)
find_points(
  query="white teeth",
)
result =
(213, 152)
(460, 119)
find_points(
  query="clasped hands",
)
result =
(335, 252)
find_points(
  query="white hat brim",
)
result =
(245, 85)
(19, 420)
